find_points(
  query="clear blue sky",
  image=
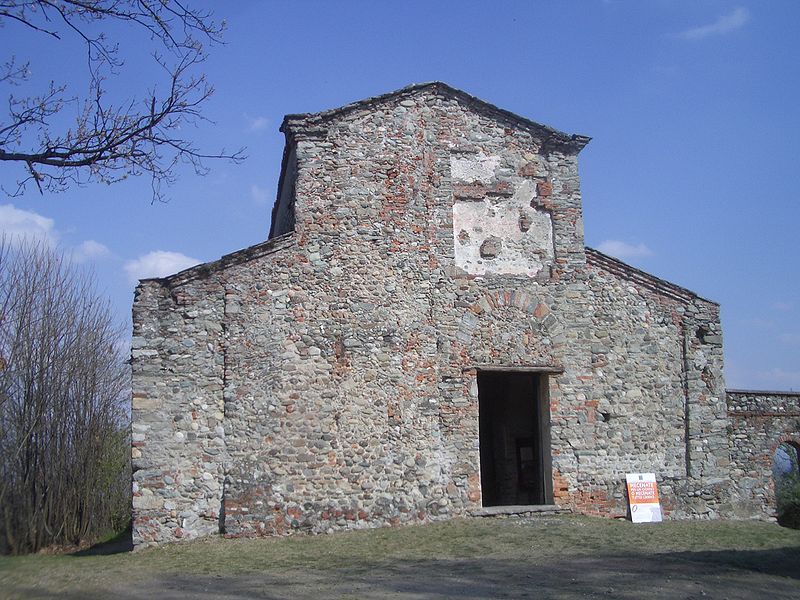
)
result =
(692, 173)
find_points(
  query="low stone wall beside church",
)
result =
(759, 422)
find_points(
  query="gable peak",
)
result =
(319, 121)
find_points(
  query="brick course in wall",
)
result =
(328, 378)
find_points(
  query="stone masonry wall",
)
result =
(659, 394)
(179, 365)
(177, 410)
(330, 376)
(760, 422)
(365, 372)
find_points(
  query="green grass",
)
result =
(523, 540)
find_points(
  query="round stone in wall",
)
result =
(491, 247)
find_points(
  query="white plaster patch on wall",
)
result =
(503, 235)
(477, 167)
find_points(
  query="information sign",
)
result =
(643, 497)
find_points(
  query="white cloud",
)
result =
(256, 123)
(624, 250)
(724, 24)
(18, 225)
(158, 263)
(89, 250)
(259, 194)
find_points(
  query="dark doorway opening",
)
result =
(516, 464)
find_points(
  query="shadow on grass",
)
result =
(122, 542)
(782, 562)
(707, 575)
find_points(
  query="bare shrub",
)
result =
(64, 452)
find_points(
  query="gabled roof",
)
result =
(552, 137)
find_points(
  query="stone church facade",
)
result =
(424, 334)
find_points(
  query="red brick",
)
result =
(544, 188)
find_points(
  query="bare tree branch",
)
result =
(110, 142)
(13, 74)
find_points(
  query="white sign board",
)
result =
(643, 497)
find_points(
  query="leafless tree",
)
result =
(108, 142)
(64, 468)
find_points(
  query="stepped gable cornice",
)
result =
(634, 275)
